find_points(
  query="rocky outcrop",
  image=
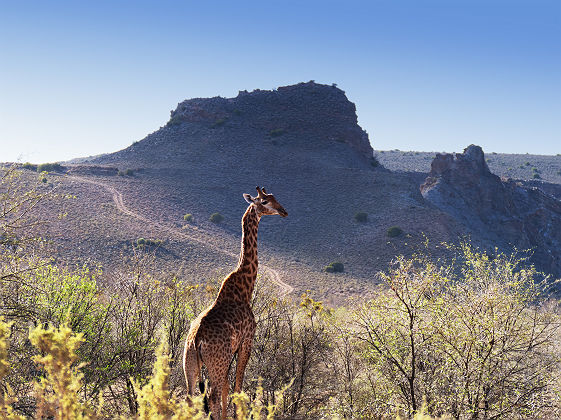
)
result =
(302, 108)
(503, 212)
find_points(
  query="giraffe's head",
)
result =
(265, 203)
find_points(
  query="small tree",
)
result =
(477, 338)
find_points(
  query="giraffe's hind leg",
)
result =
(219, 386)
(244, 351)
(191, 366)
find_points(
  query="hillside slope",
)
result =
(303, 143)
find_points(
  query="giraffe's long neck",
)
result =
(240, 283)
(248, 255)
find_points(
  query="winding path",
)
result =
(119, 202)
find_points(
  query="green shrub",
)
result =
(126, 172)
(188, 217)
(277, 132)
(176, 120)
(374, 161)
(335, 267)
(394, 231)
(216, 218)
(59, 389)
(29, 166)
(361, 217)
(50, 167)
(219, 123)
(140, 242)
(536, 175)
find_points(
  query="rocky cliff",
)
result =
(502, 211)
(300, 109)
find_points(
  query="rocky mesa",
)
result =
(310, 116)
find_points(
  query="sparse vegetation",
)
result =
(394, 231)
(374, 161)
(216, 218)
(188, 217)
(277, 132)
(335, 267)
(361, 217)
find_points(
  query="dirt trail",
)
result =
(195, 234)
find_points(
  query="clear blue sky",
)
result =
(85, 77)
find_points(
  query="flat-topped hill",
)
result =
(309, 119)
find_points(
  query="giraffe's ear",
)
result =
(248, 198)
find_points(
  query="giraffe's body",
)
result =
(227, 327)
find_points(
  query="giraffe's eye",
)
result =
(264, 202)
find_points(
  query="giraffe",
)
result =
(227, 326)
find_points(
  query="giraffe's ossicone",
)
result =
(227, 326)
